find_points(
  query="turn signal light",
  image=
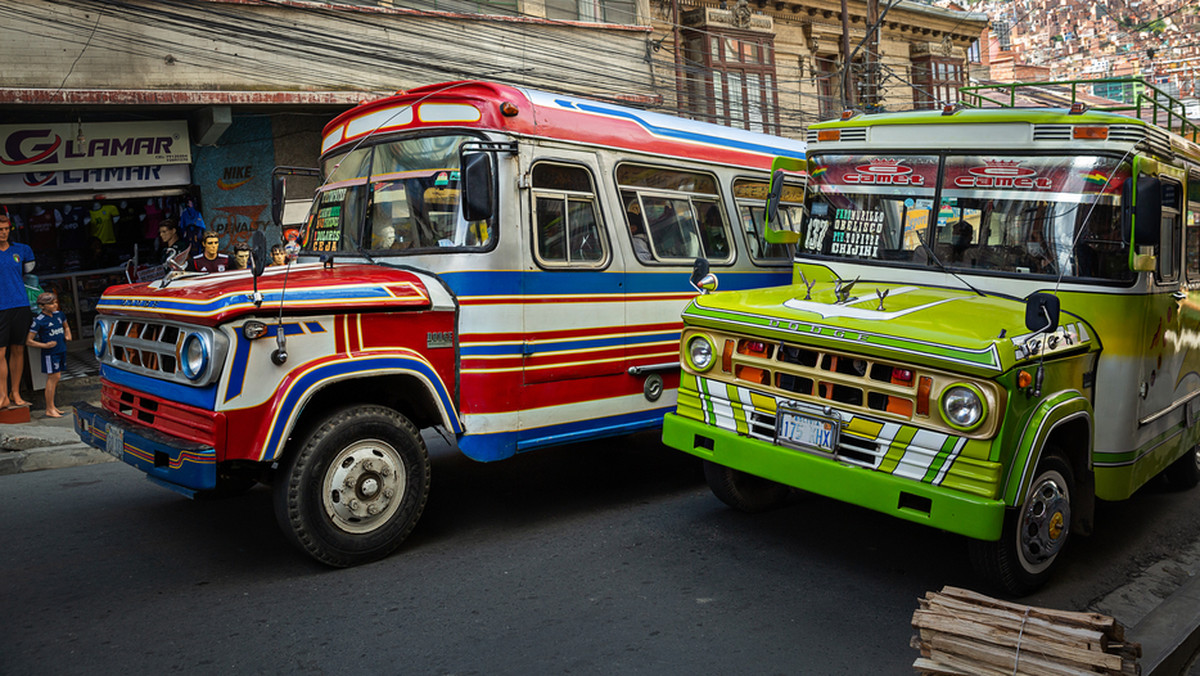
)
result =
(902, 376)
(923, 390)
(1024, 379)
(727, 357)
(508, 109)
(1091, 133)
(829, 135)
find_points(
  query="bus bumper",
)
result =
(922, 503)
(177, 464)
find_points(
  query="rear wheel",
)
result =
(357, 487)
(1034, 533)
(742, 491)
(1184, 473)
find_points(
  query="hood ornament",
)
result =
(808, 285)
(881, 294)
(841, 289)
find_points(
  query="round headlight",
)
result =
(962, 407)
(700, 353)
(195, 356)
(100, 339)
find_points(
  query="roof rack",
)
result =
(1149, 102)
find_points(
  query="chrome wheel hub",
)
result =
(1045, 521)
(364, 486)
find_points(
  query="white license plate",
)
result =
(115, 444)
(807, 431)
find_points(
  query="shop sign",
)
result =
(57, 147)
(110, 179)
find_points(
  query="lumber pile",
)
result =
(962, 632)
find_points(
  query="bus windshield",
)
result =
(395, 197)
(1047, 215)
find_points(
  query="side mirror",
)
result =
(702, 280)
(1041, 312)
(259, 253)
(775, 231)
(278, 197)
(1141, 213)
(477, 182)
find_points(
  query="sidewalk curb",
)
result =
(52, 457)
(1170, 634)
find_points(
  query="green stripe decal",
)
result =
(779, 329)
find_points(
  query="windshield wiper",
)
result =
(941, 266)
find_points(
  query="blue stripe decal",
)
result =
(514, 283)
(775, 148)
(199, 397)
(490, 447)
(346, 293)
(241, 356)
(314, 327)
(312, 379)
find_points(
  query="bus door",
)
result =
(1164, 354)
(574, 300)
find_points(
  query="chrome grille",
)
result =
(150, 348)
(153, 347)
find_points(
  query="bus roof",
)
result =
(484, 105)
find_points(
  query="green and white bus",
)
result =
(994, 321)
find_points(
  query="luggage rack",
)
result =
(1149, 104)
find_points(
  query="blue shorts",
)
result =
(52, 363)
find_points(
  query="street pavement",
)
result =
(1166, 623)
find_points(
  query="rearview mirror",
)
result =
(778, 230)
(702, 280)
(477, 186)
(259, 253)
(1041, 312)
(279, 188)
(1141, 214)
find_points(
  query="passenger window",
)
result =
(1168, 253)
(566, 227)
(751, 198)
(672, 215)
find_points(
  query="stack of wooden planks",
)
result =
(962, 632)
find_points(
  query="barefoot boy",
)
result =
(51, 333)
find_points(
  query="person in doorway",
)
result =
(210, 259)
(16, 260)
(50, 332)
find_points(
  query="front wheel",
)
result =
(1034, 534)
(357, 487)
(742, 491)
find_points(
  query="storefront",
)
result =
(88, 198)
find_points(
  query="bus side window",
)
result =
(566, 219)
(673, 215)
(751, 198)
(1192, 230)
(1168, 253)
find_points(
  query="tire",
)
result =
(1034, 534)
(1184, 473)
(357, 487)
(742, 491)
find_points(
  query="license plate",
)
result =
(807, 431)
(115, 444)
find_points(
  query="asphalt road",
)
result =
(594, 559)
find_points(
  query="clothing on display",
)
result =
(101, 217)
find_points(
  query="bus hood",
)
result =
(947, 328)
(211, 299)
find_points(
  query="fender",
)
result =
(303, 383)
(1053, 411)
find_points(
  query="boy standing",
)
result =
(50, 332)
